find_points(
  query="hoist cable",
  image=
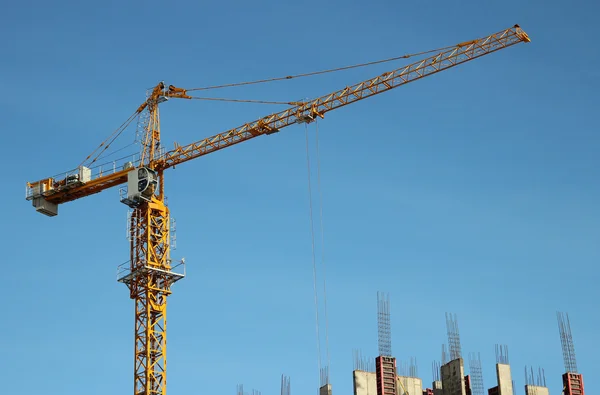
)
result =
(322, 246)
(312, 233)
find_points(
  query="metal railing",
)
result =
(177, 271)
(72, 176)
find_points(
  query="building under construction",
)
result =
(383, 375)
(450, 374)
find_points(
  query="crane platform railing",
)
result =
(82, 174)
(126, 275)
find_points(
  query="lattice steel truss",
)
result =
(566, 341)
(476, 374)
(150, 276)
(149, 282)
(453, 337)
(384, 325)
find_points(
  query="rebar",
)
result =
(502, 354)
(476, 374)
(362, 362)
(566, 341)
(444, 355)
(285, 385)
(324, 376)
(435, 370)
(384, 325)
(413, 370)
(453, 337)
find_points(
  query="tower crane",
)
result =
(151, 273)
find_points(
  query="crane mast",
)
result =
(150, 272)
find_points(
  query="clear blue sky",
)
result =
(474, 191)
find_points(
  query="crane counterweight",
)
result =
(45, 207)
(39, 191)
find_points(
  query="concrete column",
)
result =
(453, 377)
(504, 379)
(413, 385)
(437, 388)
(365, 383)
(325, 390)
(536, 390)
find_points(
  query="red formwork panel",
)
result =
(468, 385)
(385, 368)
(494, 391)
(573, 384)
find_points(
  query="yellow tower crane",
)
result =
(151, 272)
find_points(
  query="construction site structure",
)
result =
(151, 273)
(436, 368)
(450, 377)
(476, 373)
(325, 389)
(503, 373)
(454, 380)
(572, 380)
(325, 386)
(385, 363)
(385, 379)
(285, 385)
(468, 390)
(536, 390)
(365, 383)
(535, 386)
(409, 385)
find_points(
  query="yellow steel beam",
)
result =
(307, 112)
(149, 286)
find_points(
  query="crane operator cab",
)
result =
(141, 185)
